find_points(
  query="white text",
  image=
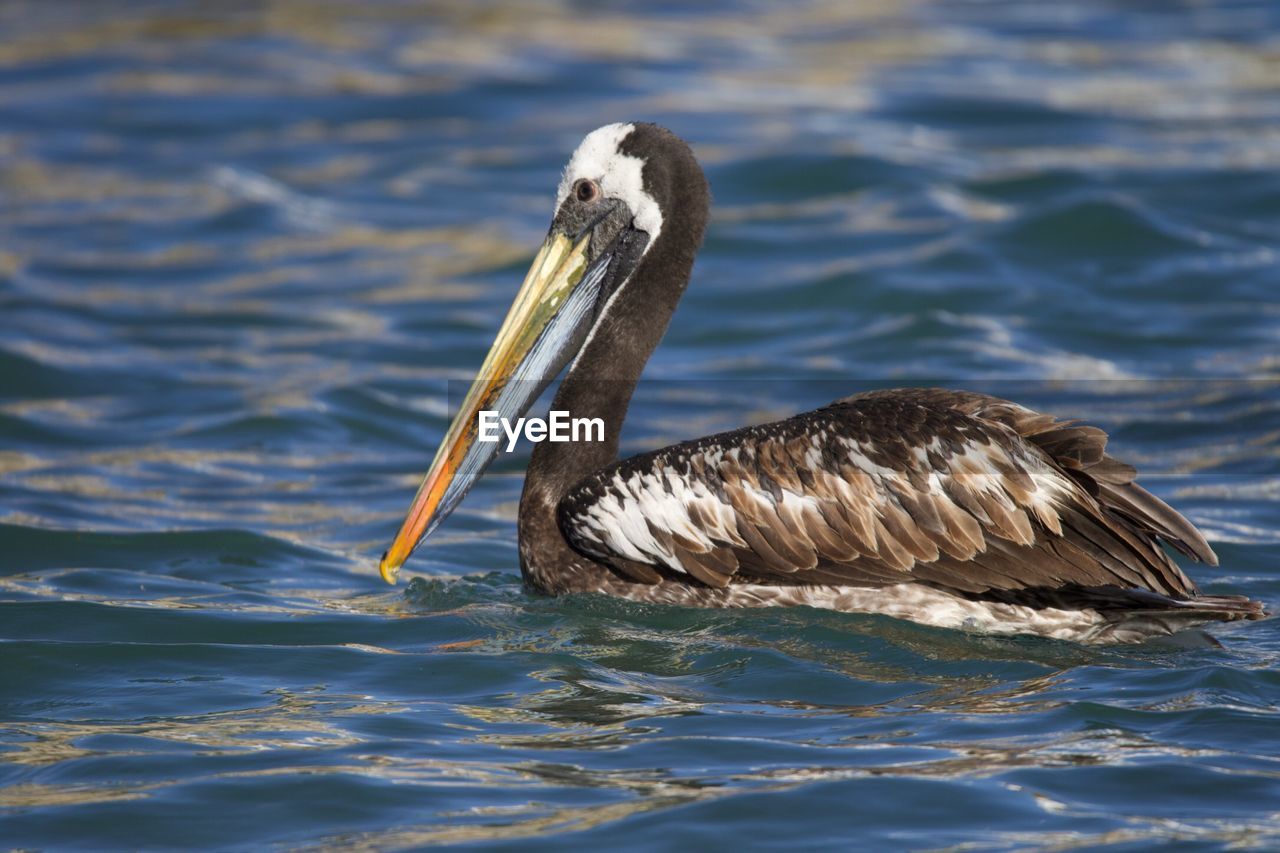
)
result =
(557, 427)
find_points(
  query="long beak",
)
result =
(544, 327)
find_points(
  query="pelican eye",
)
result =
(587, 190)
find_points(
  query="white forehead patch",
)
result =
(618, 174)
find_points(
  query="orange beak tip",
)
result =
(388, 571)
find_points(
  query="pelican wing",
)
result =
(957, 490)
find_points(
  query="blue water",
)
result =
(245, 251)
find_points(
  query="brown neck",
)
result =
(604, 376)
(599, 385)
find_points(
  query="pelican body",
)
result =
(948, 508)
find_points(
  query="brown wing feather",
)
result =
(955, 489)
(1082, 451)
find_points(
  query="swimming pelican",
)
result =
(948, 508)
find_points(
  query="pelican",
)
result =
(948, 508)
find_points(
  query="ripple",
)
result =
(247, 252)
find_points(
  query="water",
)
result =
(244, 250)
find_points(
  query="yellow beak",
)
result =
(527, 354)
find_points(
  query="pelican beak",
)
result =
(545, 326)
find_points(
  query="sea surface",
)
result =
(247, 248)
